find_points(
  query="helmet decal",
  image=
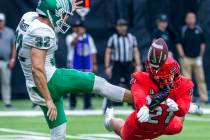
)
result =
(158, 53)
(161, 55)
(64, 4)
(154, 57)
(157, 46)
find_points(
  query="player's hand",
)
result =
(75, 5)
(143, 114)
(172, 105)
(52, 111)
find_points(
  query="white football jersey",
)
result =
(33, 33)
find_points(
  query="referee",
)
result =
(122, 49)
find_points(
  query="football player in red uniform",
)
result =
(161, 96)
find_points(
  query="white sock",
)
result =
(108, 116)
(59, 132)
(193, 108)
(104, 88)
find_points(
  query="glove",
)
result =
(143, 114)
(157, 98)
(172, 105)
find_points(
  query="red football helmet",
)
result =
(167, 73)
(157, 55)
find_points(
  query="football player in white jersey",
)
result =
(36, 44)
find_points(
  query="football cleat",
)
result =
(195, 109)
(109, 114)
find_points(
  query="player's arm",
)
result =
(181, 105)
(184, 103)
(140, 101)
(139, 95)
(38, 71)
(157, 98)
(41, 39)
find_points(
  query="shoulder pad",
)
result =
(40, 36)
(29, 15)
(143, 79)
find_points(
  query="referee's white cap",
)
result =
(2, 17)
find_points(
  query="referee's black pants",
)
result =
(121, 70)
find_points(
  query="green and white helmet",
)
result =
(56, 11)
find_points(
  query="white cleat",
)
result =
(109, 114)
(195, 109)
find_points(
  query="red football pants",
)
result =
(130, 132)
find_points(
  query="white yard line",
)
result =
(111, 135)
(22, 135)
(197, 119)
(29, 113)
(30, 135)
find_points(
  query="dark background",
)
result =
(100, 23)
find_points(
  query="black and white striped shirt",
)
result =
(122, 47)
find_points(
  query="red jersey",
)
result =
(161, 116)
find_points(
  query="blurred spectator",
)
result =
(122, 48)
(81, 56)
(166, 32)
(191, 51)
(7, 59)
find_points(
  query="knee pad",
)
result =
(59, 132)
(104, 88)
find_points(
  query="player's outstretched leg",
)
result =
(73, 81)
(111, 123)
(112, 92)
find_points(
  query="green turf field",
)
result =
(88, 127)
